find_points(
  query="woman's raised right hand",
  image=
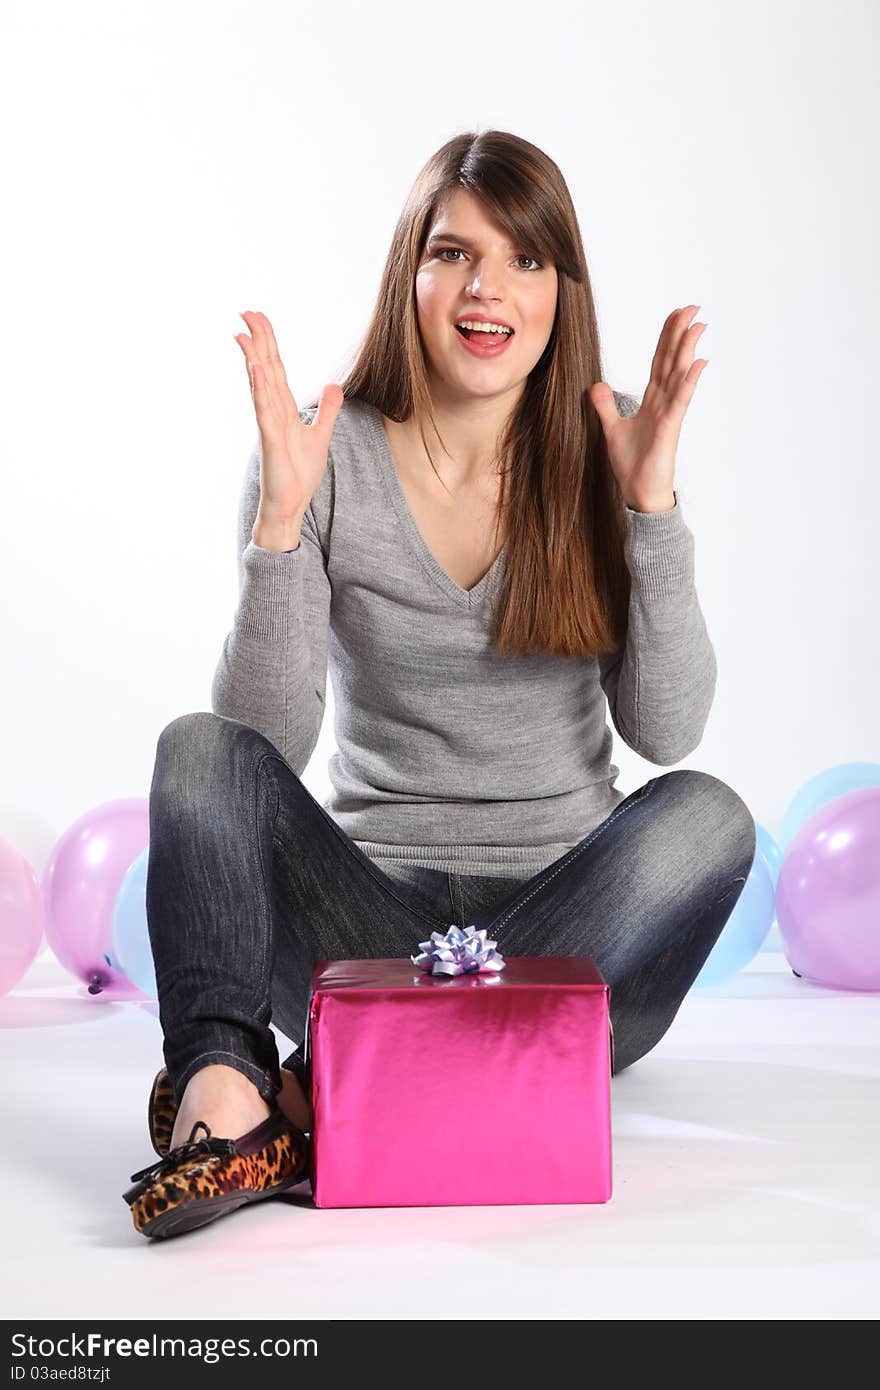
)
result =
(294, 455)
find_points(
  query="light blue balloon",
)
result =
(772, 856)
(745, 929)
(773, 940)
(130, 939)
(769, 851)
(824, 787)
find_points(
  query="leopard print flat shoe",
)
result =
(161, 1112)
(162, 1107)
(205, 1178)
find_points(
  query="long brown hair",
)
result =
(561, 515)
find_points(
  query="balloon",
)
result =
(773, 940)
(828, 894)
(80, 884)
(746, 927)
(130, 939)
(769, 851)
(772, 855)
(21, 916)
(824, 787)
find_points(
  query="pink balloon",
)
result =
(21, 916)
(82, 878)
(828, 893)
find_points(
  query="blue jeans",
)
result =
(250, 881)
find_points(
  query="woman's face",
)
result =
(469, 268)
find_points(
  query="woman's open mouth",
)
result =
(481, 343)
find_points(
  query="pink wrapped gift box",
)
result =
(473, 1089)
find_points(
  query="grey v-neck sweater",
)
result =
(449, 754)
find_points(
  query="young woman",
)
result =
(483, 542)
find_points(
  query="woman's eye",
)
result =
(456, 250)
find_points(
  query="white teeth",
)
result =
(482, 327)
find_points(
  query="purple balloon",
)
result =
(828, 893)
(21, 916)
(80, 883)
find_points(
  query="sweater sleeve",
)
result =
(272, 672)
(660, 684)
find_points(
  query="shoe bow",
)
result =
(193, 1148)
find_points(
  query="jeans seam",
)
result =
(450, 885)
(579, 849)
(457, 907)
(265, 981)
(353, 849)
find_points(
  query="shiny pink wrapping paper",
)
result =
(481, 1089)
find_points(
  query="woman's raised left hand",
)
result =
(641, 449)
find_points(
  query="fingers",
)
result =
(685, 347)
(265, 349)
(269, 335)
(259, 345)
(675, 349)
(252, 361)
(674, 337)
(684, 359)
(268, 418)
(250, 356)
(250, 349)
(658, 370)
(262, 391)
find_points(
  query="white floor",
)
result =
(746, 1169)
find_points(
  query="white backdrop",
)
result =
(168, 164)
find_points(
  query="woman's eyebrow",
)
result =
(462, 240)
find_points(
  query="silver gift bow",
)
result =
(458, 952)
